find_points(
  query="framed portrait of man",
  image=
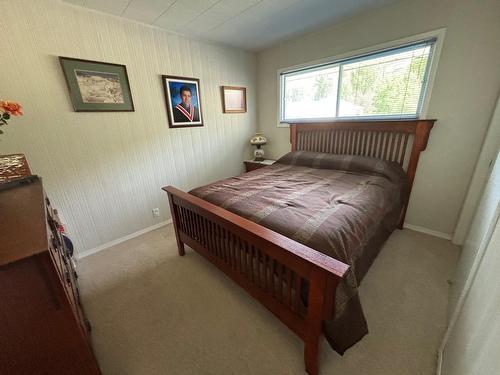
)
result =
(183, 102)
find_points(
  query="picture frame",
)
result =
(234, 99)
(96, 86)
(183, 101)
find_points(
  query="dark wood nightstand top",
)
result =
(251, 165)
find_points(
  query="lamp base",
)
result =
(258, 154)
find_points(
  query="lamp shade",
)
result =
(258, 139)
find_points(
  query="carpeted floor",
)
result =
(153, 312)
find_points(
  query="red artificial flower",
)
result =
(12, 108)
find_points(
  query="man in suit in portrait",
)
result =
(186, 111)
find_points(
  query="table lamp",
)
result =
(258, 140)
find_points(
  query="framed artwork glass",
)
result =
(183, 101)
(234, 99)
(97, 86)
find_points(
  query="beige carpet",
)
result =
(154, 312)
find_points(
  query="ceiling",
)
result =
(248, 24)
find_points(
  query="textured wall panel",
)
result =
(104, 170)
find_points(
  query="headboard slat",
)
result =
(403, 152)
(391, 146)
(387, 137)
(378, 145)
(388, 140)
(397, 142)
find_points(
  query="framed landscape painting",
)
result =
(97, 86)
(234, 99)
(183, 101)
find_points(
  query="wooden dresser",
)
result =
(43, 329)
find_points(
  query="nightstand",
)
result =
(252, 165)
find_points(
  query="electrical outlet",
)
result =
(156, 212)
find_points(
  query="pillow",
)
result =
(349, 163)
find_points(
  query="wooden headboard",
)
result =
(401, 141)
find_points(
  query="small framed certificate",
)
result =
(234, 99)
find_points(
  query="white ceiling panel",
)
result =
(146, 11)
(181, 13)
(115, 7)
(248, 24)
(76, 2)
(220, 13)
(252, 20)
(258, 29)
(266, 9)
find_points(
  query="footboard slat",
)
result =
(270, 267)
(292, 321)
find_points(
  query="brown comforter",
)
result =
(341, 205)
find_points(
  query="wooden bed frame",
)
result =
(270, 266)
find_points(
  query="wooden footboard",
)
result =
(271, 267)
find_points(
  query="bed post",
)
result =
(315, 314)
(422, 132)
(175, 219)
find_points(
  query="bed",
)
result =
(300, 235)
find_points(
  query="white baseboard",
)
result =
(85, 253)
(439, 362)
(431, 232)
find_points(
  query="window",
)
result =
(385, 84)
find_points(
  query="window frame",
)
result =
(438, 35)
